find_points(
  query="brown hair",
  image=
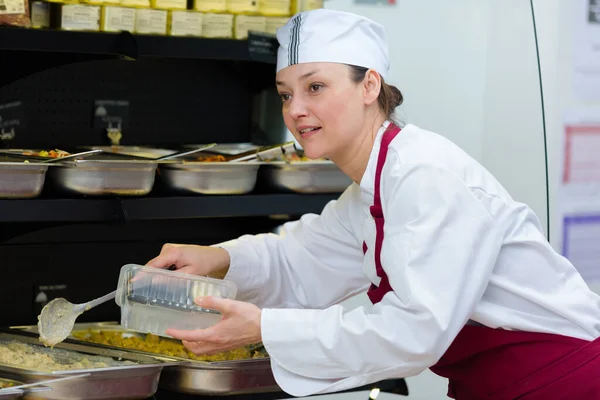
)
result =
(390, 96)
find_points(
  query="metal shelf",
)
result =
(157, 208)
(124, 45)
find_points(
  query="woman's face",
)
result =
(322, 107)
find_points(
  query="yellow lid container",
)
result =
(274, 8)
(210, 6)
(242, 6)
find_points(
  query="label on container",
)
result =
(186, 23)
(242, 6)
(273, 23)
(217, 25)
(245, 23)
(80, 17)
(111, 114)
(12, 7)
(274, 7)
(135, 3)
(169, 4)
(117, 19)
(210, 6)
(151, 21)
(262, 47)
(40, 14)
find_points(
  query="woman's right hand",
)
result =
(193, 259)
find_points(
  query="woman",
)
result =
(460, 275)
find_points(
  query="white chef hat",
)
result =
(333, 36)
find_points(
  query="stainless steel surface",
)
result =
(104, 177)
(209, 177)
(305, 176)
(197, 377)
(137, 381)
(21, 180)
(226, 378)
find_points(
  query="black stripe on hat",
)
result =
(294, 41)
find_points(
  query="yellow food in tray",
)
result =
(157, 345)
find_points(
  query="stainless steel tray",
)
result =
(104, 177)
(197, 377)
(304, 176)
(138, 381)
(199, 177)
(21, 180)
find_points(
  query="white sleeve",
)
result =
(439, 250)
(313, 263)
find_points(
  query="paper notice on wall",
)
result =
(586, 42)
(581, 238)
(579, 192)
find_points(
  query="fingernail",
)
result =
(198, 300)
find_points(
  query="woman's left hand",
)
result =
(239, 326)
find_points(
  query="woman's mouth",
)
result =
(307, 132)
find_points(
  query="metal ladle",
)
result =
(56, 321)
(185, 153)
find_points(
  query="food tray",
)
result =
(21, 180)
(10, 394)
(103, 177)
(198, 177)
(230, 149)
(137, 381)
(304, 176)
(153, 300)
(195, 377)
(134, 151)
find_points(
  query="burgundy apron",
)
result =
(496, 364)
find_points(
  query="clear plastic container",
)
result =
(153, 300)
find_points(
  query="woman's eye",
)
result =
(284, 96)
(315, 87)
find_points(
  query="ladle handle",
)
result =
(100, 300)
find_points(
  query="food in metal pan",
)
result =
(56, 153)
(5, 385)
(40, 358)
(157, 345)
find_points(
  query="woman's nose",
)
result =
(298, 108)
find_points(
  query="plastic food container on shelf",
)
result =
(153, 300)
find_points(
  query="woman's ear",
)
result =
(371, 87)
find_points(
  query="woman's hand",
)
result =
(192, 259)
(239, 326)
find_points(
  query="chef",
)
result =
(460, 275)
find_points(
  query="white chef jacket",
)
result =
(457, 247)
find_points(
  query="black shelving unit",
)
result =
(159, 208)
(125, 45)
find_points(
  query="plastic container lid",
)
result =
(153, 300)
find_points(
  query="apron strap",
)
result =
(376, 293)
